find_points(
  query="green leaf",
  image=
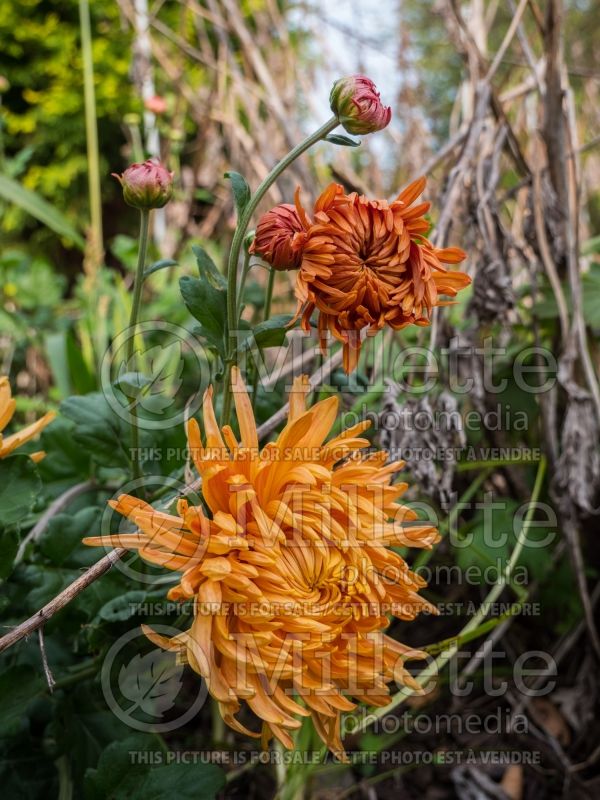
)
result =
(344, 141)
(208, 305)
(20, 484)
(65, 459)
(183, 781)
(9, 545)
(18, 686)
(121, 608)
(39, 208)
(120, 768)
(241, 191)
(82, 380)
(270, 333)
(123, 775)
(98, 429)
(162, 264)
(131, 383)
(208, 269)
(61, 541)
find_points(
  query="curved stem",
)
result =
(133, 318)
(236, 247)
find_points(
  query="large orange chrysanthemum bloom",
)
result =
(289, 568)
(7, 408)
(367, 263)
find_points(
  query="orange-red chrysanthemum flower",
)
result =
(367, 263)
(279, 237)
(7, 408)
(289, 568)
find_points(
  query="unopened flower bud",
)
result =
(279, 237)
(355, 102)
(147, 185)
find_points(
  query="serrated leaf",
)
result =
(60, 543)
(344, 141)
(241, 191)
(208, 305)
(20, 484)
(208, 269)
(270, 333)
(97, 428)
(151, 682)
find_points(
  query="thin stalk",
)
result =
(91, 131)
(133, 319)
(217, 724)
(425, 555)
(433, 669)
(245, 270)
(269, 294)
(236, 247)
(266, 315)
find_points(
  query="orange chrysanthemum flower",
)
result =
(7, 408)
(279, 237)
(289, 568)
(367, 263)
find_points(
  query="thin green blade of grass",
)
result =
(40, 209)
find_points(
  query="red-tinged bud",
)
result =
(279, 237)
(355, 102)
(145, 186)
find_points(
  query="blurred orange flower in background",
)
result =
(289, 566)
(7, 408)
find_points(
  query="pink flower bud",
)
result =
(147, 185)
(355, 102)
(279, 237)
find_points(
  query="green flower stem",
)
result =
(269, 293)
(91, 128)
(133, 319)
(245, 270)
(266, 315)
(236, 247)
(477, 622)
(446, 527)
